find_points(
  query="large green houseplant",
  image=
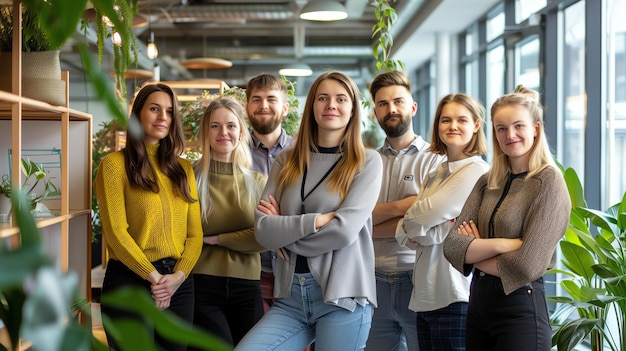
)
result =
(594, 259)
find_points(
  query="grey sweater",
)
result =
(340, 254)
(536, 210)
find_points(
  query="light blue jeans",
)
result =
(293, 323)
(394, 326)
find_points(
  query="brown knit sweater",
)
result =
(536, 210)
(237, 255)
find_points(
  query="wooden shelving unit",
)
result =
(30, 124)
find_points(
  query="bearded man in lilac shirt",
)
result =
(266, 106)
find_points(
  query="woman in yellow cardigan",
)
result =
(150, 211)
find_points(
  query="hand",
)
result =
(280, 252)
(211, 239)
(163, 291)
(269, 208)
(469, 229)
(323, 219)
(162, 305)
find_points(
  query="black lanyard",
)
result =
(302, 196)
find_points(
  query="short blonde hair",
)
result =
(478, 144)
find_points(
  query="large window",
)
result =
(470, 60)
(525, 8)
(527, 63)
(616, 101)
(573, 76)
(424, 94)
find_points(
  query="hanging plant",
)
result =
(386, 16)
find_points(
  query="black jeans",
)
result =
(515, 322)
(227, 307)
(118, 275)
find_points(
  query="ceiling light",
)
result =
(321, 10)
(151, 49)
(296, 70)
(206, 63)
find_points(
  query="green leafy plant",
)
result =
(39, 304)
(5, 186)
(34, 173)
(386, 16)
(119, 14)
(35, 39)
(594, 260)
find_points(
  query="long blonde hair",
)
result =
(352, 147)
(540, 155)
(248, 193)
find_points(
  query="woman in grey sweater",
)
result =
(316, 213)
(508, 231)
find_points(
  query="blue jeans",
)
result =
(393, 325)
(293, 323)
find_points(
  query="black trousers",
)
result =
(118, 275)
(515, 322)
(227, 307)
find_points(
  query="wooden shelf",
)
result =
(36, 110)
(29, 124)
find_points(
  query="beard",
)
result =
(264, 126)
(398, 129)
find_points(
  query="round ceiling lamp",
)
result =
(296, 70)
(137, 74)
(139, 20)
(322, 10)
(206, 63)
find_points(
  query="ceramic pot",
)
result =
(41, 76)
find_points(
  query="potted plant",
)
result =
(594, 259)
(5, 198)
(34, 174)
(112, 16)
(41, 68)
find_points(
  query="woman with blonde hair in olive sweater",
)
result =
(227, 275)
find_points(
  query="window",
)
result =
(495, 86)
(615, 141)
(525, 8)
(495, 25)
(470, 61)
(527, 63)
(573, 76)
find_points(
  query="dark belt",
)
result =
(165, 265)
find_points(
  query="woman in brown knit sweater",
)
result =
(508, 231)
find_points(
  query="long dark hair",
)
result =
(138, 168)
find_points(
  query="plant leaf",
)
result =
(572, 333)
(577, 259)
(166, 323)
(575, 189)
